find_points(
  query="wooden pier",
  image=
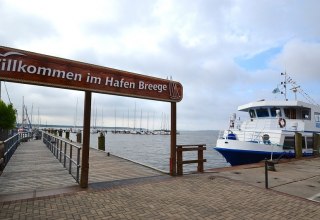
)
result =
(34, 171)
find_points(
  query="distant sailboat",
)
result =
(75, 129)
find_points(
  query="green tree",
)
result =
(7, 116)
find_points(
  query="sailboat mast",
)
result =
(76, 117)
(141, 120)
(115, 120)
(134, 120)
(38, 119)
(22, 119)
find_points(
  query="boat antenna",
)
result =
(295, 88)
(284, 83)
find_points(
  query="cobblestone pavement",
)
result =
(189, 197)
(299, 177)
(234, 194)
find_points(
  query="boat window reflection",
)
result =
(252, 113)
(290, 113)
(273, 112)
(306, 114)
(262, 112)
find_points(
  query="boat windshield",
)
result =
(274, 111)
(262, 112)
(252, 113)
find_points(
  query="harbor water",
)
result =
(154, 150)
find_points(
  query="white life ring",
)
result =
(282, 122)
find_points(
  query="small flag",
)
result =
(276, 90)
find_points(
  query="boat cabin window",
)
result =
(252, 113)
(273, 112)
(317, 116)
(262, 112)
(290, 113)
(317, 119)
(298, 113)
(306, 114)
(289, 143)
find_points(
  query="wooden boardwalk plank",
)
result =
(34, 168)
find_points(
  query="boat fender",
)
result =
(232, 136)
(282, 122)
(266, 139)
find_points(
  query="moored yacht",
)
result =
(270, 131)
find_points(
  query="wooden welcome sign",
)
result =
(37, 69)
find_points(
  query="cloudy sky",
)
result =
(225, 54)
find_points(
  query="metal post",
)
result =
(78, 164)
(86, 141)
(298, 144)
(65, 154)
(173, 157)
(266, 172)
(316, 144)
(70, 160)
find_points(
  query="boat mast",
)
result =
(285, 85)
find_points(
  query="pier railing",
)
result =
(66, 152)
(181, 148)
(9, 146)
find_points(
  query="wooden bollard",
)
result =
(316, 143)
(101, 142)
(55, 132)
(298, 144)
(60, 132)
(79, 136)
(68, 135)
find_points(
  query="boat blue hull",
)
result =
(240, 157)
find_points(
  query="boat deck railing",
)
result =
(66, 152)
(251, 136)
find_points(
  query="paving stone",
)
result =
(198, 196)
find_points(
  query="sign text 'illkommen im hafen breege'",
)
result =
(38, 69)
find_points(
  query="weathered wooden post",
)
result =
(60, 133)
(298, 144)
(79, 136)
(55, 132)
(179, 161)
(102, 142)
(86, 141)
(200, 158)
(316, 144)
(173, 140)
(68, 135)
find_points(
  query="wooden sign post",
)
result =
(38, 69)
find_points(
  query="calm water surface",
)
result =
(154, 150)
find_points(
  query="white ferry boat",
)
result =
(269, 132)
